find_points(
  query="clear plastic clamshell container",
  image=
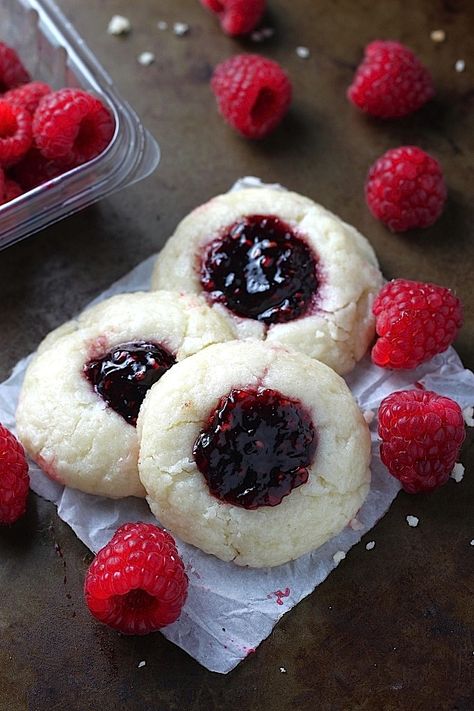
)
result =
(53, 52)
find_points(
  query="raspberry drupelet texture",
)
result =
(237, 17)
(15, 133)
(12, 71)
(422, 433)
(405, 189)
(391, 81)
(72, 125)
(137, 583)
(253, 94)
(14, 479)
(28, 96)
(414, 321)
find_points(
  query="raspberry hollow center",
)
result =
(256, 448)
(260, 269)
(123, 376)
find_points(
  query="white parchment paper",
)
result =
(229, 609)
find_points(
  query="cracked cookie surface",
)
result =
(174, 414)
(335, 325)
(65, 424)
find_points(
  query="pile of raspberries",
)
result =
(44, 133)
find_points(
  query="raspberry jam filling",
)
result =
(260, 269)
(256, 447)
(123, 376)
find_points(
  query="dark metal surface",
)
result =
(391, 628)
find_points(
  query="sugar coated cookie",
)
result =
(252, 452)
(83, 389)
(281, 268)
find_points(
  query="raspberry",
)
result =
(12, 71)
(422, 433)
(14, 479)
(391, 81)
(136, 583)
(415, 321)
(253, 93)
(237, 17)
(11, 191)
(72, 125)
(15, 133)
(34, 169)
(27, 96)
(405, 189)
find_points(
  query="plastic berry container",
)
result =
(53, 52)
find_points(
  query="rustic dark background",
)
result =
(391, 628)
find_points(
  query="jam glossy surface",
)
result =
(123, 376)
(256, 448)
(260, 269)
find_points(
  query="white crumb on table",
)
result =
(438, 35)
(355, 524)
(338, 556)
(119, 25)
(468, 414)
(472, 544)
(302, 52)
(413, 521)
(180, 29)
(146, 58)
(458, 472)
(460, 65)
(283, 670)
(141, 664)
(370, 546)
(368, 416)
(162, 25)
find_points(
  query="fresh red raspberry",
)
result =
(11, 191)
(14, 479)
(72, 125)
(27, 96)
(237, 17)
(421, 434)
(391, 81)
(34, 169)
(253, 94)
(136, 583)
(12, 71)
(415, 321)
(405, 189)
(15, 133)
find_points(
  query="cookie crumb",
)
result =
(472, 544)
(119, 25)
(368, 416)
(146, 58)
(438, 35)
(162, 25)
(355, 524)
(141, 664)
(283, 670)
(370, 546)
(460, 65)
(180, 29)
(413, 521)
(458, 472)
(468, 414)
(338, 556)
(302, 52)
